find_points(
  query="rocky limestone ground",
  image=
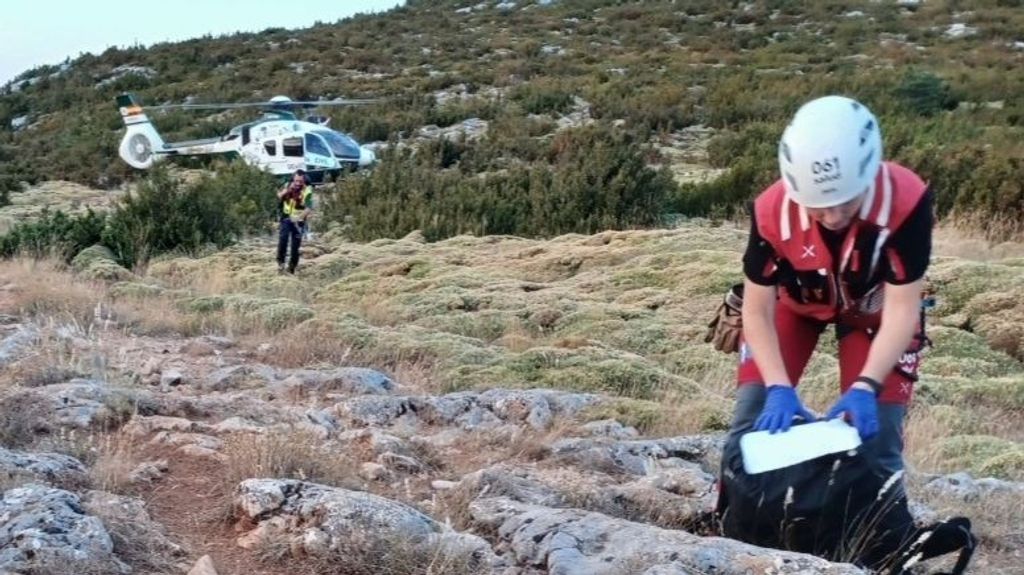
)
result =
(478, 405)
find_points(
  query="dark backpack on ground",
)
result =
(841, 507)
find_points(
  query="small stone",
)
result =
(148, 471)
(443, 485)
(202, 452)
(251, 539)
(262, 532)
(373, 471)
(141, 425)
(398, 462)
(198, 348)
(610, 428)
(316, 542)
(238, 425)
(219, 342)
(203, 567)
(152, 366)
(171, 378)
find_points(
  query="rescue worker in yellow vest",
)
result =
(295, 201)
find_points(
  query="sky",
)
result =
(41, 32)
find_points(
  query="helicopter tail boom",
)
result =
(141, 145)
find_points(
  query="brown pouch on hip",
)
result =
(725, 329)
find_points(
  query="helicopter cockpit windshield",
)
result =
(315, 145)
(343, 147)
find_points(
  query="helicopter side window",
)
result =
(292, 147)
(270, 147)
(316, 145)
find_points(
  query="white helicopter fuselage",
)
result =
(278, 143)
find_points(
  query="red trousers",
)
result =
(798, 336)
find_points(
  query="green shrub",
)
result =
(98, 262)
(54, 233)
(543, 96)
(592, 178)
(925, 93)
(162, 215)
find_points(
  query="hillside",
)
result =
(477, 382)
(946, 81)
(491, 359)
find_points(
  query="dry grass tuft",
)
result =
(159, 316)
(46, 288)
(376, 312)
(309, 343)
(1002, 237)
(116, 456)
(921, 433)
(42, 373)
(452, 505)
(417, 376)
(109, 457)
(315, 343)
(21, 419)
(289, 454)
(428, 455)
(484, 448)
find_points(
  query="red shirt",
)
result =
(825, 275)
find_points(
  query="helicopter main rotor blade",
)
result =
(272, 105)
(335, 102)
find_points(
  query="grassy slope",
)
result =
(618, 312)
(622, 313)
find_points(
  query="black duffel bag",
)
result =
(842, 507)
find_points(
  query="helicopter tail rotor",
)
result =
(141, 140)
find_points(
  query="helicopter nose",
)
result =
(366, 157)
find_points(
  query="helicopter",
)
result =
(279, 142)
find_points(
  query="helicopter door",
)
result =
(290, 156)
(318, 154)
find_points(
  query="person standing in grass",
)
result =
(842, 238)
(295, 201)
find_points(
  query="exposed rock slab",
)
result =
(468, 410)
(966, 488)
(52, 468)
(130, 523)
(316, 518)
(668, 498)
(343, 380)
(15, 343)
(636, 457)
(577, 542)
(85, 403)
(43, 529)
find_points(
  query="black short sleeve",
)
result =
(909, 249)
(759, 259)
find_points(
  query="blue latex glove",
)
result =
(861, 406)
(780, 406)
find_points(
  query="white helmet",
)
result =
(830, 152)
